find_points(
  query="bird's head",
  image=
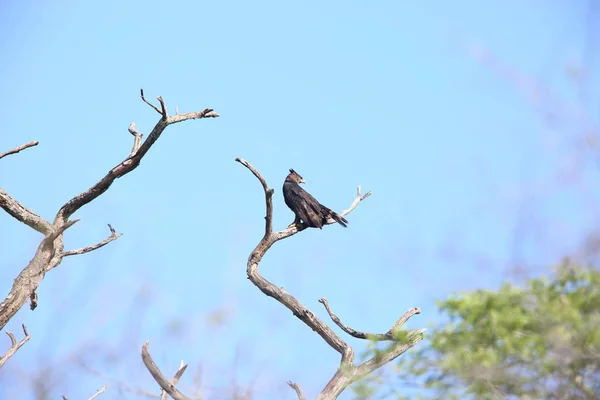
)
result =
(294, 176)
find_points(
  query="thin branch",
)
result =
(182, 367)
(120, 384)
(15, 346)
(378, 337)
(402, 320)
(163, 107)
(159, 377)
(99, 392)
(150, 104)
(23, 214)
(206, 113)
(382, 358)
(254, 171)
(137, 139)
(350, 331)
(268, 196)
(297, 389)
(131, 162)
(113, 236)
(20, 148)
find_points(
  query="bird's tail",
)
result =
(327, 213)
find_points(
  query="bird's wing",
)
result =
(302, 204)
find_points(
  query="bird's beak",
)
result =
(302, 180)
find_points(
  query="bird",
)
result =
(305, 207)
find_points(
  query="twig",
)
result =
(137, 139)
(182, 367)
(98, 393)
(20, 148)
(163, 107)
(150, 104)
(348, 330)
(159, 377)
(268, 196)
(297, 389)
(388, 336)
(402, 320)
(113, 236)
(14, 345)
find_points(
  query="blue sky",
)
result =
(468, 176)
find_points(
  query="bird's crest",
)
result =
(296, 176)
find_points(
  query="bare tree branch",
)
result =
(405, 317)
(297, 389)
(130, 163)
(113, 236)
(99, 392)
(404, 341)
(163, 107)
(14, 345)
(23, 214)
(18, 149)
(347, 371)
(182, 367)
(137, 139)
(150, 104)
(378, 337)
(50, 252)
(271, 290)
(380, 359)
(159, 377)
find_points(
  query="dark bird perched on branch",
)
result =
(312, 213)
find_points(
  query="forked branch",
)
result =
(131, 162)
(113, 236)
(377, 337)
(163, 382)
(297, 389)
(15, 346)
(50, 252)
(348, 372)
(182, 367)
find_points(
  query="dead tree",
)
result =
(51, 251)
(348, 372)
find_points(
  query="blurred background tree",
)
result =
(539, 341)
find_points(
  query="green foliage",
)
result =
(541, 341)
